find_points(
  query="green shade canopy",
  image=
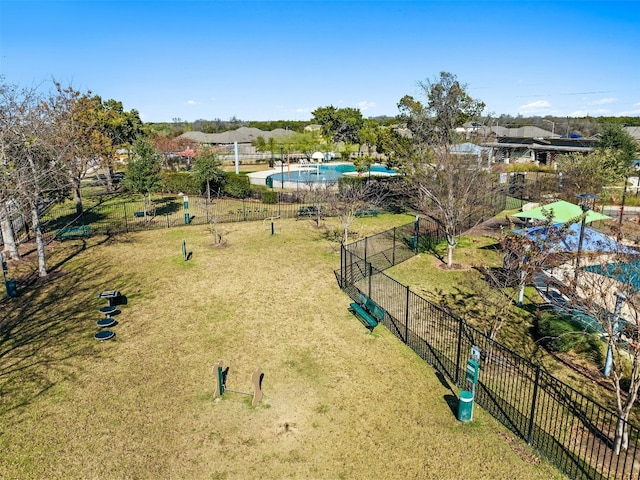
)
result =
(561, 212)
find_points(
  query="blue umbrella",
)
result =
(558, 238)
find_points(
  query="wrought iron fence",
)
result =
(573, 431)
(170, 211)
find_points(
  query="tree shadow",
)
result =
(43, 330)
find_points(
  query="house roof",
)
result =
(240, 135)
(634, 132)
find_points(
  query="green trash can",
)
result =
(12, 288)
(465, 406)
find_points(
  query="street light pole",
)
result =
(281, 167)
(553, 126)
(624, 196)
(585, 197)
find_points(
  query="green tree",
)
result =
(208, 169)
(340, 125)
(588, 173)
(395, 146)
(451, 189)
(143, 170)
(616, 139)
(120, 129)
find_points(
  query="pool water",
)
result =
(326, 173)
(626, 273)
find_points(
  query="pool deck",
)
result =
(260, 178)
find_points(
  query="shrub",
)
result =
(558, 334)
(269, 197)
(237, 186)
(176, 182)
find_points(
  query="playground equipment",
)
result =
(114, 298)
(220, 373)
(271, 219)
(187, 215)
(185, 253)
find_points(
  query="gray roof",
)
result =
(241, 135)
(634, 132)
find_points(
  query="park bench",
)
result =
(310, 211)
(367, 212)
(139, 214)
(72, 232)
(368, 311)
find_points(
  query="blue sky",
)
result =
(279, 60)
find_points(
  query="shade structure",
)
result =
(188, 152)
(557, 239)
(561, 212)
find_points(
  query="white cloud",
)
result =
(364, 105)
(604, 101)
(630, 113)
(302, 110)
(534, 106)
(191, 102)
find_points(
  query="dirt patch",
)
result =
(491, 228)
(455, 267)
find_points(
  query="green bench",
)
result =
(368, 311)
(367, 212)
(73, 232)
(138, 214)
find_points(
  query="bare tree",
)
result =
(9, 98)
(450, 188)
(606, 292)
(31, 153)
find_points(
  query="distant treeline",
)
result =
(565, 126)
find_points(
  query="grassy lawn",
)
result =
(467, 292)
(339, 402)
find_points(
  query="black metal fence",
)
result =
(171, 211)
(574, 432)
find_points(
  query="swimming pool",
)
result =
(626, 273)
(323, 174)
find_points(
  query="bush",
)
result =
(558, 334)
(270, 197)
(237, 186)
(181, 182)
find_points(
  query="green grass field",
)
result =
(340, 402)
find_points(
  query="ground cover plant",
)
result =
(340, 402)
(465, 293)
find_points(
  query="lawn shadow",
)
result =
(166, 206)
(42, 330)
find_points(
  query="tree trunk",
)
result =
(77, 199)
(107, 175)
(208, 191)
(42, 266)
(450, 254)
(621, 440)
(8, 238)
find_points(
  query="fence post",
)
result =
(370, 276)
(534, 401)
(416, 233)
(459, 353)
(126, 223)
(365, 248)
(406, 318)
(393, 254)
(167, 215)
